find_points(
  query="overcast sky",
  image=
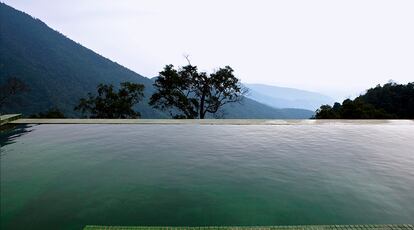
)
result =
(339, 48)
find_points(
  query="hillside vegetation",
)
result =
(390, 101)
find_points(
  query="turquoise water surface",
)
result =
(67, 176)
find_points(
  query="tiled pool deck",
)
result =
(298, 227)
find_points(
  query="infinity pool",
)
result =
(67, 176)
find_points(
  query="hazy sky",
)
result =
(338, 48)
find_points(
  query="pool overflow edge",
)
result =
(16, 119)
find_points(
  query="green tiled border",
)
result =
(298, 227)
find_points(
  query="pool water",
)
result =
(67, 176)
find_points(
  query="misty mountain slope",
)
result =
(253, 109)
(59, 71)
(283, 97)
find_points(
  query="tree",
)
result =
(190, 94)
(395, 99)
(12, 87)
(51, 113)
(326, 112)
(111, 104)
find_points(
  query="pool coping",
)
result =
(6, 118)
(211, 121)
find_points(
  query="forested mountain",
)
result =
(59, 72)
(390, 101)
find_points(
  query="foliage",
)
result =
(190, 94)
(397, 100)
(12, 87)
(111, 104)
(382, 102)
(51, 113)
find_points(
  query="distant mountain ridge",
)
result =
(283, 97)
(59, 71)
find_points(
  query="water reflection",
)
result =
(9, 133)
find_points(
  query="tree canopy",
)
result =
(12, 87)
(187, 93)
(382, 102)
(111, 104)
